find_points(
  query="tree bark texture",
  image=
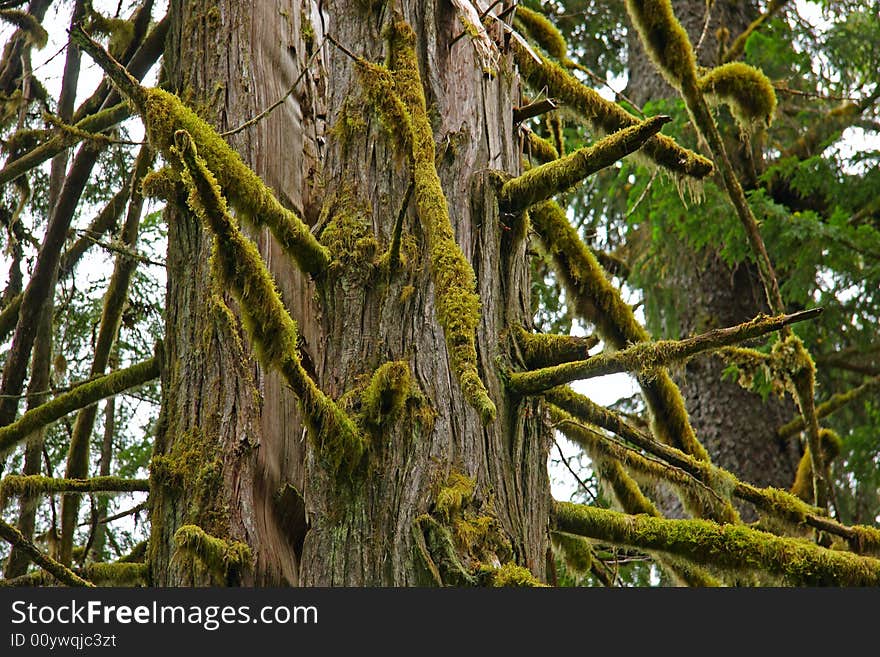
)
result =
(233, 455)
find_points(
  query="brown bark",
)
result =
(305, 525)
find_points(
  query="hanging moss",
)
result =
(272, 330)
(458, 306)
(803, 480)
(457, 490)
(576, 551)
(745, 90)
(665, 40)
(736, 547)
(542, 182)
(225, 560)
(385, 396)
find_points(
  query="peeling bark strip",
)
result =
(647, 357)
(547, 180)
(270, 326)
(80, 397)
(63, 574)
(458, 305)
(163, 114)
(797, 561)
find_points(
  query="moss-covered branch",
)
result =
(60, 572)
(164, 114)
(606, 116)
(458, 306)
(772, 501)
(735, 547)
(545, 349)
(535, 146)
(225, 560)
(545, 181)
(271, 328)
(15, 485)
(9, 315)
(80, 397)
(647, 357)
(826, 408)
(596, 300)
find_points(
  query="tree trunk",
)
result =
(233, 455)
(736, 426)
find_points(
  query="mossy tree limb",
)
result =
(14, 485)
(163, 114)
(545, 181)
(458, 305)
(774, 502)
(225, 560)
(545, 349)
(83, 395)
(605, 115)
(596, 300)
(736, 49)
(60, 572)
(272, 330)
(646, 357)
(735, 547)
(826, 408)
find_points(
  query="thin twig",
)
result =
(573, 473)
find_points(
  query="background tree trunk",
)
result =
(232, 454)
(736, 426)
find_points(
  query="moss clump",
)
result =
(458, 306)
(385, 396)
(509, 575)
(576, 551)
(163, 184)
(606, 116)
(539, 148)
(120, 31)
(273, 332)
(117, 574)
(546, 349)
(351, 244)
(225, 560)
(665, 40)
(453, 495)
(743, 88)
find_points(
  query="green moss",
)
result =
(546, 349)
(576, 551)
(542, 182)
(163, 184)
(803, 480)
(510, 575)
(225, 560)
(272, 331)
(351, 243)
(120, 31)
(79, 397)
(605, 116)
(539, 148)
(543, 31)
(26, 22)
(665, 40)
(385, 396)
(458, 306)
(453, 495)
(734, 547)
(743, 88)
(117, 574)
(30, 485)
(165, 114)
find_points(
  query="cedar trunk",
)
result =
(233, 455)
